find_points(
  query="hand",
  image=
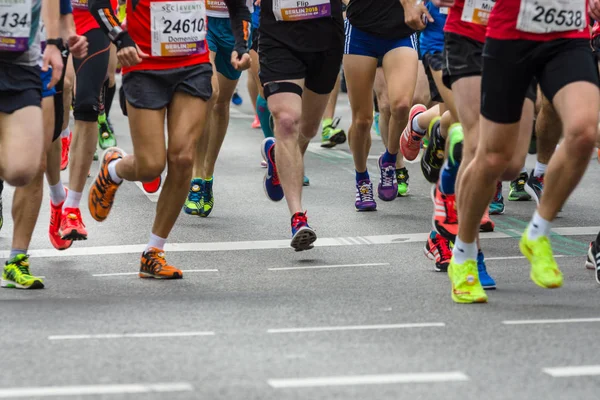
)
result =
(257, 2)
(443, 3)
(416, 17)
(78, 45)
(130, 56)
(52, 58)
(594, 9)
(238, 63)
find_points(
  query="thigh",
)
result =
(360, 74)
(146, 127)
(401, 67)
(380, 87)
(186, 120)
(21, 132)
(313, 108)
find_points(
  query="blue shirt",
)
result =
(256, 16)
(65, 7)
(432, 37)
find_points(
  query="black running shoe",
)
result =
(593, 259)
(433, 158)
(535, 187)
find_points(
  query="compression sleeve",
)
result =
(65, 7)
(240, 18)
(105, 16)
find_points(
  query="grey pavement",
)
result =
(362, 316)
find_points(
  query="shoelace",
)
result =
(388, 176)
(365, 192)
(195, 196)
(155, 261)
(539, 180)
(444, 248)
(299, 220)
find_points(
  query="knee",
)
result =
(400, 108)
(286, 123)
(181, 160)
(21, 174)
(494, 164)
(363, 123)
(148, 169)
(581, 136)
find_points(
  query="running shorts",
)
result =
(364, 44)
(20, 87)
(221, 41)
(46, 77)
(154, 89)
(254, 39)
(555, 64)
(435, 62)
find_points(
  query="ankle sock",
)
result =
(389, 158)
(113, 172)
(16, 252)
(362, 176)
(538, 227)
(540, 169)
(156, 241)
(73, 200)
(463, 252)
(416, 127)
(57, 193)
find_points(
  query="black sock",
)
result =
(109, 96)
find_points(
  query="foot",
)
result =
(388, 186)
(154, 265)
(466, 287)
(103, 190)
(106, 137)
(95, 157)
(303, 236)
(55, 222)
(410, 141)
(364, 196)
(402, 180)
(517, 188)
(64, 155)
(433, 157)
(486, 224)
(152, 186)
(271, 182)
(437, 248)
(535, 187)
(16, 275)
(487, 282)
(208, 199)
(497, 205)
(193, 204)
(544, 269)
(305, 181)
(445, 217)
(71, 225)
(236, 99)
(255, 123)
(331, 134)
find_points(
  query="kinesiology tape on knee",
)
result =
(272, 88)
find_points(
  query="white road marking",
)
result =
(131, 335)
(90, 390)
(358, 327)
(135, 273)
(152, 197)
(516, 257)
(567, 372)
(276, 244)
(550, 321)
(430, 377)
(329, 266)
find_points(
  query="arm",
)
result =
(240, 18)
(52, 56)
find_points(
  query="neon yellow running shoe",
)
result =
(466, 287)
(16, 274)
(544, 269)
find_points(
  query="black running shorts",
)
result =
(510, 65)
(20, 87)
(462, 58)
(433, 61)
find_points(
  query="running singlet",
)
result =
(469, 18)
(315, 26)
(539, 21)
(432, 37)
(19, 31)
(84, 21)
(383, 18)
(218, 8)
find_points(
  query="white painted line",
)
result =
(152, 197)
(329, 266)
(357, 327)
(135, 273)
(567, 372)
(131, 335)
(430, 377)
(550, 321)
(516, 257)
(90, 390)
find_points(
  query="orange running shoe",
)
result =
(55, 222)
(154, 265)
(410, 141)
(256, 123)
(64, 157)
(102, 192)
(486, 225)
(71, 225)
(445, 217)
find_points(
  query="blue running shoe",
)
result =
(194, 204)
(272, 186)
(497, 204)
(486, 280)
(208, 198)
(236, 99)
(305, 181)
(303, 235)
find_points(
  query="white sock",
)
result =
(524, 170)
(57, 193)
(65, 133)
(416, 127)
(538, 226)
(540, 169)
(113, 172)
(156, 241)
(73, 199)
(463, 252)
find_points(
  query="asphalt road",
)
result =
(362, 316)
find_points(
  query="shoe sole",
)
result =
(338, 138)
(497, 212)
(73, 235)
(405, 194)
(145, 275)
(486, 227)
(37, 284)
(590, 264)
(365, 209)
(531, 192)
(303, 239)
(328, 145)
(190, 212)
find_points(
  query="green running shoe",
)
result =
(208, 199)
(517, 188)
(402, 179)
(194, 203)
(106, 137)
(331, 135)
(16, 274)
(544, 269)
(466, 287)
(305, 181)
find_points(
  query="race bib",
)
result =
(537, 16)
(178, 28)
(216, 6)
(444, 10)
(15, 25)
(300, 10)
(79, 4)
(477, 11)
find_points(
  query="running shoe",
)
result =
(410, 141)
(535, 187)
(445, 217)
(271, 182)
(303, 236)
(106, 137)
(487, 282)
(497, 205)
(193, 204)
(103, 190)
(305, 181)
(71, 225)
(95, 156)
(402, 180)
(388, 185)
(517, 188)
(154, 265)
(64, 155)
(263, 164)
(486, 225)
(331, 134)
(466, 287)
(152, 186)
(433, 158)
(236, 99)
(437, 248)
(256, 122)
(364, 196)
(376, 123)
(593, 259)
(55, 221)
(16, 274)
(544, 269)
(208, 199)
